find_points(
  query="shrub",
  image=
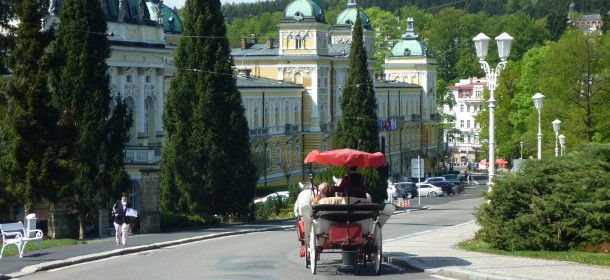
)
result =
(172, 221)
(553, 204)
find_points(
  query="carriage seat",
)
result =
(342, 200)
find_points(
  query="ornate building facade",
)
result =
(290, 85)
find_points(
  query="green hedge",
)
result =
(553, 204)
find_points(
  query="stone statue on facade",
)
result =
(141, 8)
(53, 7)
(122, 10)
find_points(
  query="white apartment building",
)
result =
(463, 138)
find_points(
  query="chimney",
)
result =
(244, 43)
(269, 42)
(253, 39)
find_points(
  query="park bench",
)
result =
(16, 233)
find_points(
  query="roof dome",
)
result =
(170, 20)
(300, 10)
(348, 16)
(111, 10)
(410, 45)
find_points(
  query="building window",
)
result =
(148, 79)
(461, 123)
(468, 124)
(468, 108)
(461, 108)
(129, 79)
(298, 42)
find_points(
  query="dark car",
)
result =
(406, 189)
(456, 180)
(449, 189)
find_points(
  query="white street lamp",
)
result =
(556, 125)
(481, 43)
(562, 141)
(538, 101)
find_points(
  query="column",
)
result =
(58, 220)
(140, 116)
(160, 100)
(315, 114)
(150, 215)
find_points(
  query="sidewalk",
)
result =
(436, 252)
(431, 251)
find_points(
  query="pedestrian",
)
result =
(121, 220)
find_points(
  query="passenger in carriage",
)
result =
(353, 184)
(324, 190)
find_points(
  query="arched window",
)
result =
(278, 154)
(298, 42)
(149, 115)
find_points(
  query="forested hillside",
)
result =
(534, 8)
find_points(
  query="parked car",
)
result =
(425, 189)
(449, 189)
(282, 194)
(434, 179)
(453, 178)
(405, 189)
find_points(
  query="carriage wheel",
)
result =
(312, 249)
(377, 254)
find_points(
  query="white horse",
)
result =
(305, 197)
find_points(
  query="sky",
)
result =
(179, 3)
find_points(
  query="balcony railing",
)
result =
(327, 127)
(142, 155)
(259, 132)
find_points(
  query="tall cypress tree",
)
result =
(206, 165)
(357, 127)
(93, 140)
(6, 37)
(29, 152)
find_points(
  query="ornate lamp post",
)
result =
(562, 141)
(556, 125)
(538, 101)
(481, 43)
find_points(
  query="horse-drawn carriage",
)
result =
(347, 225)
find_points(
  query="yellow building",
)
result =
(290, 85)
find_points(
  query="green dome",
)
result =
(300, 10)
(410, 48)
(348, 16)
(410, 45)
(171, 22)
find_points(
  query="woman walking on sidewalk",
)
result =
(121, 220)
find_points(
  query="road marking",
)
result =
(442, 277)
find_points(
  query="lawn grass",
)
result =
(602, 259)
(11, 250)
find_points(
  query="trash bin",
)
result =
(30, 225)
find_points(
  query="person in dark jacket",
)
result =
(121, 220)
(353, 184)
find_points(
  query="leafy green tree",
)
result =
(388, 29)
(357, 127)
(206, 164)
(81, 92)
(557, 23)
(574, 80)
(29, 136)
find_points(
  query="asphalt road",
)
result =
(270, 255)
